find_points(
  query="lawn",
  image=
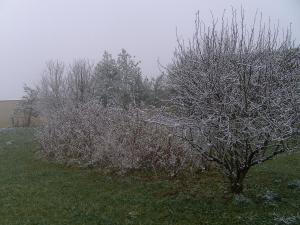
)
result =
(33, 191)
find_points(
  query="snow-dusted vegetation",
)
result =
(230, 97)
(96, 116)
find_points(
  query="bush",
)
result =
(115, 139)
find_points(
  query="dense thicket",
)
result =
(101, 116)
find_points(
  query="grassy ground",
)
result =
(33, 191)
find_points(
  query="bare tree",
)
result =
(237, 93)
(27, 107)
(79, 82)
(52, 90)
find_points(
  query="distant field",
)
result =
(6, 110)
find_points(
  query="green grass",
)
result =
(33, 191)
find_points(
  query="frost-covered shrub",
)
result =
(92, 135)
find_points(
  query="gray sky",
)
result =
(34, 31)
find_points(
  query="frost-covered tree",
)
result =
(237, 93)
(80, 88)
(52, 89)
(131, 91)
(107, 80)
(119, 82)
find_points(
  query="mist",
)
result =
(33, 32)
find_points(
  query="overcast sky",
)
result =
(34, 31)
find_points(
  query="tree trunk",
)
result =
(237, 182)
(29, 118)
(237, 187)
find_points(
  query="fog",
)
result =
(34, 31)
